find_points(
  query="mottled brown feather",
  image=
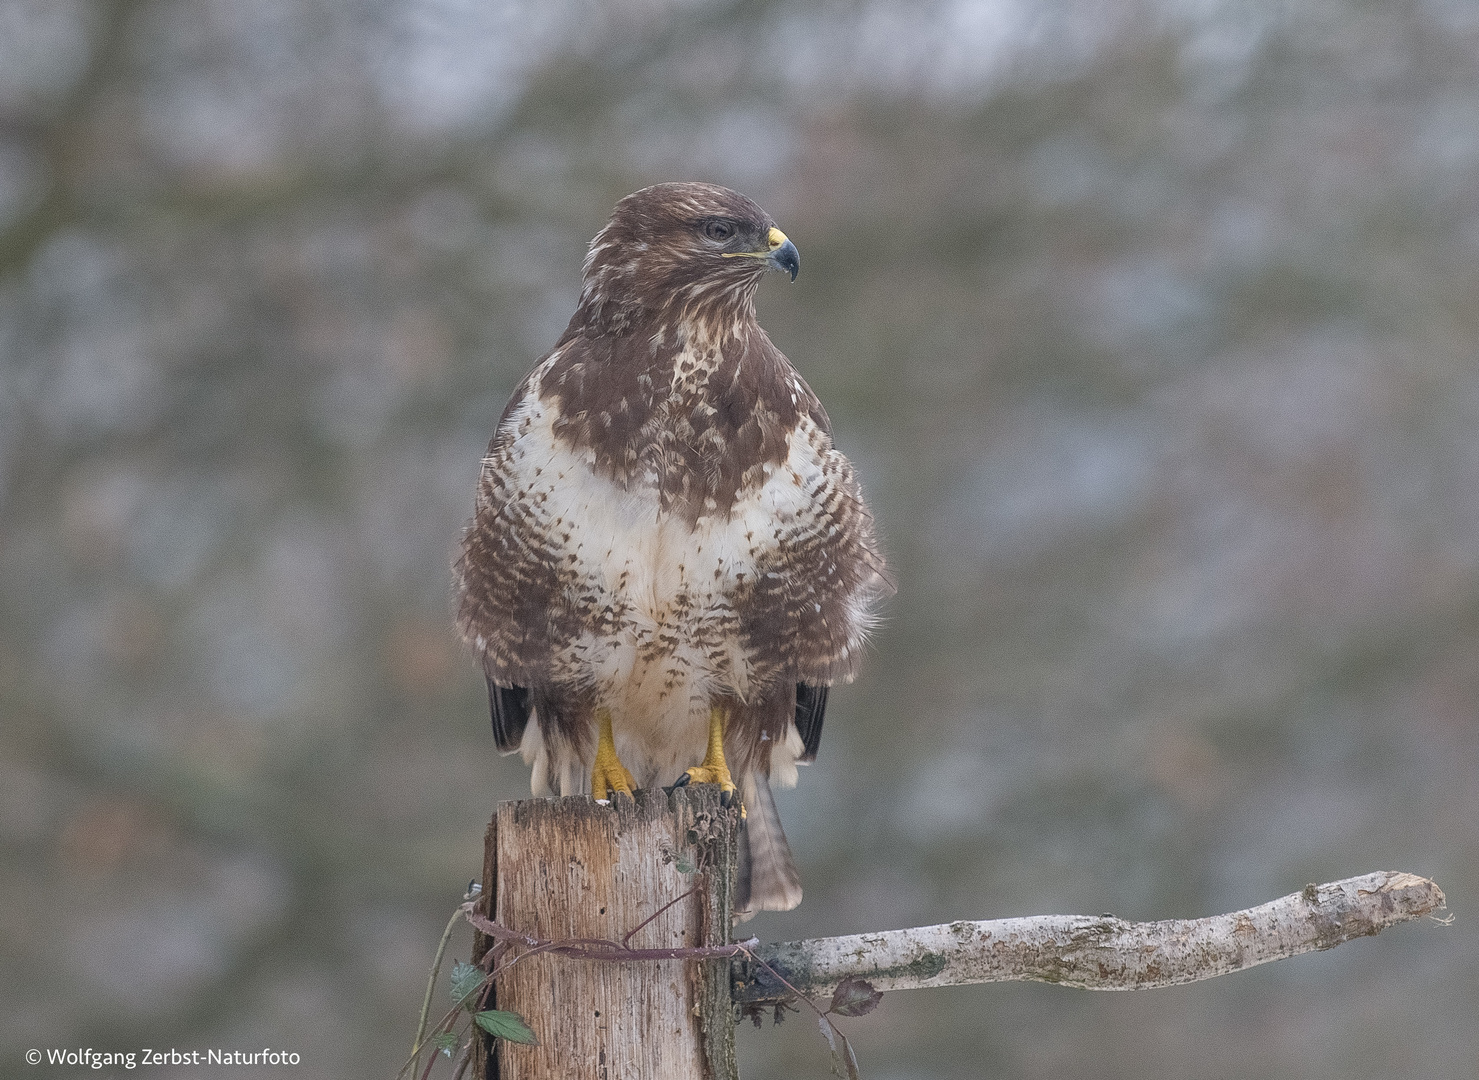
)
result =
(665, 384)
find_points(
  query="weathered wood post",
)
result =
(571, 868)
(583, 895)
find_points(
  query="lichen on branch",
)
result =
(1091, 953)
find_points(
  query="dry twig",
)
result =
(1091, 953)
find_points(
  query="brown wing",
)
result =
(510, 581)
(804, 617)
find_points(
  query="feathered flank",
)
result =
(662, 524)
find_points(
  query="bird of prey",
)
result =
(669, 563)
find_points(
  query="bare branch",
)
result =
(1091, 953)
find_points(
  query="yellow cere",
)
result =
(775, 239)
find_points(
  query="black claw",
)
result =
(682, 781)
(726, 799)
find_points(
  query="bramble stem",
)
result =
(436, 968)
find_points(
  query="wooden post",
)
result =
(657, 873)
(573, 868)
(484, 1063)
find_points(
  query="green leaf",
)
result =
(855, 997)
(683, 865)
(466, 979)
(506, 1025)
(445, 1041)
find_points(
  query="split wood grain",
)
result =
(573, 868)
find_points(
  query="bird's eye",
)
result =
(718, 229)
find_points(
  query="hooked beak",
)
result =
(783, 254)
(779, 253)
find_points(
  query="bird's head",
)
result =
(688, 247)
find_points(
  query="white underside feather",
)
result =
(672, 650)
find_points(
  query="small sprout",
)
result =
(855, 997)
(683, 864)
(445, 1042)
(506, 1025)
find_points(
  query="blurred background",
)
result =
(1153, 328)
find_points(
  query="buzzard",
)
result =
(669, 563)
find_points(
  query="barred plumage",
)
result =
(662, 525)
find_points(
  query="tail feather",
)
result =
(767, 878)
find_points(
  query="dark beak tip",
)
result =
(787, 258)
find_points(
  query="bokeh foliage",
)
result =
(1151, 326)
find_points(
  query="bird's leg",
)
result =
(608, 774)
(713, 770)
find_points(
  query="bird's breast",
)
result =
(656, 589)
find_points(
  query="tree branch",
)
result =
(1090, 953)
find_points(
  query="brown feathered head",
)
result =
(689, 246)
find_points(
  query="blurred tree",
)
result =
(1151, 326)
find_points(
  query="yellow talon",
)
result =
(608, 774)
(714, 770)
